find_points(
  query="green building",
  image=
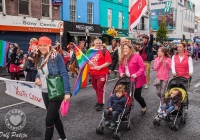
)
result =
(114, 14)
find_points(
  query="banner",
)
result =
(158, 15)
(25, 91)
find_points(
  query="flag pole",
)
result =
(84, 55)
(149, 18)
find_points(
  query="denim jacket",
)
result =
(57, 67)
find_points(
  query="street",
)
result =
(82, 119)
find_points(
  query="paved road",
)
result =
(82, 119)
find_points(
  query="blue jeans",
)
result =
(113, 118)
(168, 107)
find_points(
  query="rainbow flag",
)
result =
(82, 58)
(81, 81)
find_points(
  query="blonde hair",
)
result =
(128, 56)
(120, 88)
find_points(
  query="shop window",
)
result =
(90, 12)
(1, 6)
(120, 20)
(45, 8)
(73, 10)
(24, 7)
(109, 17)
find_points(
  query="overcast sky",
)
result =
(197, 7)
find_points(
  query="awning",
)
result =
(123, 35)
(83, 34)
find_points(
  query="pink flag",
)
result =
(138, 7)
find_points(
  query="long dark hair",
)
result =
(37, 58)
(165, 51)
(15, 50)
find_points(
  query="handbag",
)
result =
(156, 82)
(55, 87)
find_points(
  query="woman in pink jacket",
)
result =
(162, 65)
(132, 65)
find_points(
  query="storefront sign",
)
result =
(29, 24)
(57, 2)
(83, 27)
(158, 3)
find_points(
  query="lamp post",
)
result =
(86, 36)
(61, 34)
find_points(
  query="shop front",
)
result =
(20, 30)
(75, 32)
(110, 33)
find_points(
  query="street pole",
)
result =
(86, 36)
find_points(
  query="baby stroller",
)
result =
(175, 117)
(125, 116)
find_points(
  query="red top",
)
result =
(98, 60)
(182, 68)
(143, 55)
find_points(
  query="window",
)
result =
(120, 20)
(45, 8)
(73, 10)
(90, 12)
(120, 1)
(109, 17)
(24, 7)
(1, 6)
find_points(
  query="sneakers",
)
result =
(97, 104)
(160, 110)
(146, 86)
(112, 126)
(99, 107)
(62, 139)
(72, 76)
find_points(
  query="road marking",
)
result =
(197, 85)
(12, 105)
(107, 81)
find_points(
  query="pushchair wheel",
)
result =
(176, 128)
(129, 126)
(154, 121)
(117, 136)
(172, 127)
(100, 130)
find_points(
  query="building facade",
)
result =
(21, 20)
(114, 14)
(178, 14)
(81, 20)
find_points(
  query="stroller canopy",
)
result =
(180, 82)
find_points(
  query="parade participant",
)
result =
(182, 64)
(196, 52)
(98, 72)
(73, 61)
(113, 47)
(14, 63)
(51, 63)
(132, 65)
(116, 55)
(147, 54)
(31, 69)
(162, 66)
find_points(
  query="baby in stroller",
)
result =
(172, 102)
(116, 104)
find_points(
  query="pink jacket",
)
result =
(163, 68)
(136, 66)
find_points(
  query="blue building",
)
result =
(81, 20)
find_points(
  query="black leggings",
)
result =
(138, 97)
(30, 76)
(14, 75)
(53, 118)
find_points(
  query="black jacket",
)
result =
(15, 59)
(115, 60)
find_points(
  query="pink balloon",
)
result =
(64, 108)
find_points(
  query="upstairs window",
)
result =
(24, 7)
(73, 10)
(90, 12)
(45, 8)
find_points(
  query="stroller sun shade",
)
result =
(180, 82)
